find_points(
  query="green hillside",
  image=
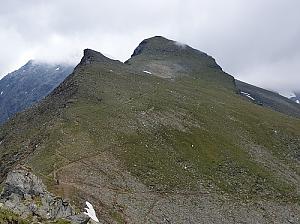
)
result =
(178, 144)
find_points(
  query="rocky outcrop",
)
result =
(25, 194)
(90, 56)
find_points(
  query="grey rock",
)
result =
(79, 219)
(25, 194)
(91, 56)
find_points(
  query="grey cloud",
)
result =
(256, 41)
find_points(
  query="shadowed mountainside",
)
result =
(269, 99)
(28, 85)
(296, 98)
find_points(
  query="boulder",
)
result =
(25, 194)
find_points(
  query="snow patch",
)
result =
(1, 92)
(147, 72)
(90, 211)
(287, 94)
(297, 101)
(247, 95)
(57, 68)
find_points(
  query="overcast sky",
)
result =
(257, 41)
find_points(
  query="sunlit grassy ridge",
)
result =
(171, 134)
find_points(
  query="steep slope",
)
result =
(269, 99)
(142, 148)
(28, 85)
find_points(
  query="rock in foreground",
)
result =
(25, 194)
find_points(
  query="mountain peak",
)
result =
(28, 85)
(169, 59)
(157, 44)
(29, 63)
(90, 56)
(159, 47)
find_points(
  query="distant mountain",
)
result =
(28, 85)
(296, 98)
(162, 138)
(292, 95)
(269, 99)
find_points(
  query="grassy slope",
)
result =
(169, 134)
(152, 125)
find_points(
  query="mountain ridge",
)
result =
(157, 149)
(296, 98)
(269, 99)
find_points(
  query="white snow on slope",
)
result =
(297, 101)
(90, 211)
(248, 95)
(287, 94)
(1, 92)
(57, 68)
(147, 72)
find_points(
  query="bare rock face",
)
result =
(25, 194)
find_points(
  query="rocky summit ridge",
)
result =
(90, 56)
(169, 59)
